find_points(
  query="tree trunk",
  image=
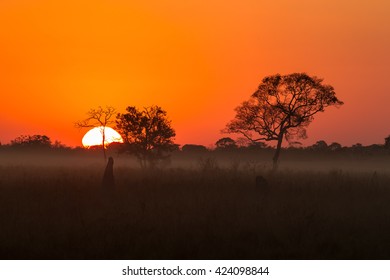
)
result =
(103, 142)
(277, 152)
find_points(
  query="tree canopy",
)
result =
(32, 141)
(282, 107)
(147, 133)
(226, 143)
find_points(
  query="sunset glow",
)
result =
(196, 59)
(94, 137)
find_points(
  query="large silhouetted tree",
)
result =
(282, 107)
(101, 118)
(147, 133)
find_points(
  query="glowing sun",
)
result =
(94, 137)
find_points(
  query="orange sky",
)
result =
(196, 59)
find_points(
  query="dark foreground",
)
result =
(210, 213)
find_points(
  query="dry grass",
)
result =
(203, 212)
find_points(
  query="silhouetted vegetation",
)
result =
(147, 134)
(101, 118)
(387, 142)
(208, 211)
(226, 143)
(326, 201)
(31, 141)
(222, 203)
(192, 148)
(282, 107)
(38, 143)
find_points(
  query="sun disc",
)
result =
(94, 137)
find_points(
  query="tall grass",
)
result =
(205, 212)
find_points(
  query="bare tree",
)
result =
(101, 118)
(282, 107)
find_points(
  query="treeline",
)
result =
(43, 142)
(229, 146)
(34, 142)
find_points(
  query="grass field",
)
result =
(204, 210)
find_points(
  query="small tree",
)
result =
(99, 117)
(387, 142)
(358, 147)
(294, 145)
(147, 133)
(320, 146)
(226, 143)
(193, 148)
(282, 107)
(335, 146)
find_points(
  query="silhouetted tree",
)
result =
(32, 141)
(282, 107)
(358, 147)
(293, 145)
(147, 133)
(245, 143)
(335, 146)
(60, 146)
(226, 143)
(374, 149)
(257, 146)
(192, 148)
(101, 118)
(387, 142)
(320, 146)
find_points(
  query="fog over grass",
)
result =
(195, 206)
